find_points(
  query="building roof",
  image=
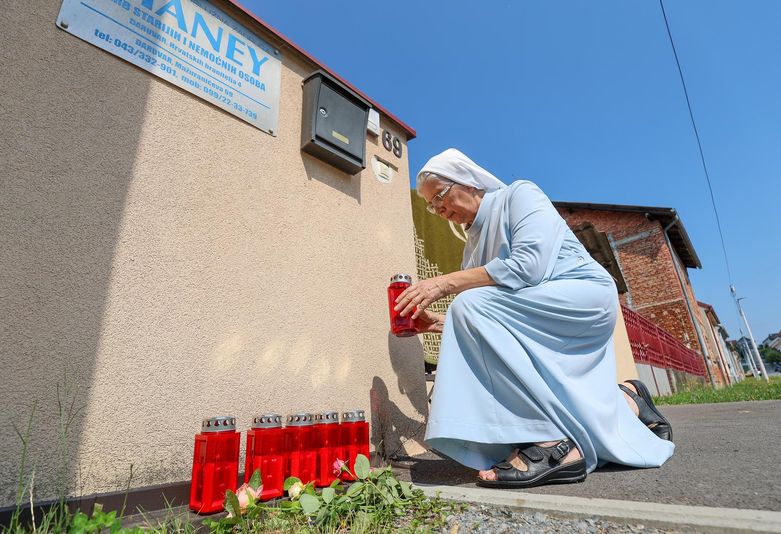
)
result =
(293, 46)
(598, 245)
(666, 217)
(709, 309)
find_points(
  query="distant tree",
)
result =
(770, 355)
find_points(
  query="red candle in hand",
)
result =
(400, 326)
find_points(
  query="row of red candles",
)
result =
(309, 447)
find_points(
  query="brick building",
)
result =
(650, 267)
(717, 336)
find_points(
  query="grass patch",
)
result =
(750, 389)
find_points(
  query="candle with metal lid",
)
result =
(328, 443)
(299, 441)
(355, 438)
(266, 451)
(400, 326)
(215, 464)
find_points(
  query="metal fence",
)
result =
(655, 346)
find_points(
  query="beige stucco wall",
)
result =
(163, 261)
(625, 362)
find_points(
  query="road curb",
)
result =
(663, 515)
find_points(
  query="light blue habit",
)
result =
(532, 358)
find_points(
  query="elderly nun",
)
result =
(525, 389)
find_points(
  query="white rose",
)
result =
(295, 490)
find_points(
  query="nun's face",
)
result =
(452, 201)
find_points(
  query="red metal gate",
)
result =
(655, 346)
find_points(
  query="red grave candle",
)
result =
(328, 444)
(355, 438)
(215, 464)
(300, 444)
(400, 326)
(266, 451)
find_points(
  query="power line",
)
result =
(741, 313)
(699, 144)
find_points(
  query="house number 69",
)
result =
(391, 143)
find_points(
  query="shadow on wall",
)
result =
(391, 428)
(66, 162)
(411, 379)
(316, 169)
(341, 181)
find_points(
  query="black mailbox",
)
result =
(334, 123)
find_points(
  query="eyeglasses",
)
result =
(437, 199)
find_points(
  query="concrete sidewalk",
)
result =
(727, 455)
(622, 516)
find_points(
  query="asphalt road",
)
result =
(727, 455)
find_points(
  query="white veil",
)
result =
(455, 166)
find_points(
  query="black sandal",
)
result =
(544, 467)
(648, 413)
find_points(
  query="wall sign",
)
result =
(189, 43)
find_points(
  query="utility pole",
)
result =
(748, 354)
(734, 365)
(750, 335)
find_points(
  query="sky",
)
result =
(585, 99)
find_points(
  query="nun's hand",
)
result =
(430, 323)
(422, 294)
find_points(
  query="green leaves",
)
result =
(232, 504)
(361, 467)
(79, 523)
(375, 502)
(290, 505)
(310, 489)
(387, 496)
(309, 504)
(406, 490)
(354, 488)
(100, 521)
(289, 481)
(254, 481)
(362, 522)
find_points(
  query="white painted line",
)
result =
(701, 517)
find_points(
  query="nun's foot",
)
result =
(561, 453)
(629, 400)
(642, 405)
(514, 460)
